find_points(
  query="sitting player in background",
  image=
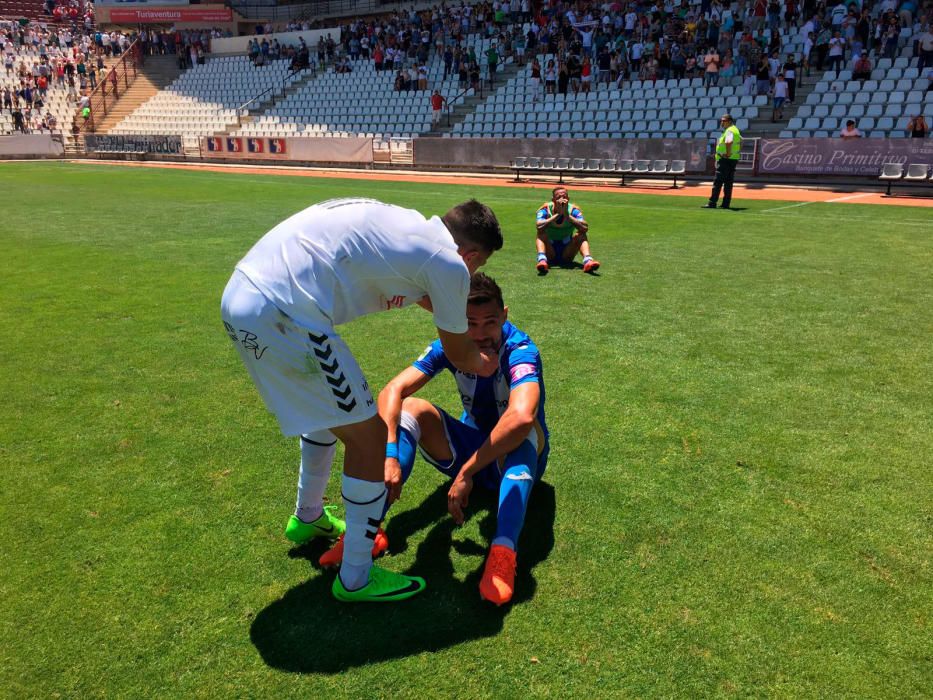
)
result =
(500, 441)
(562, 234)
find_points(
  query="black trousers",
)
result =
(725, 176)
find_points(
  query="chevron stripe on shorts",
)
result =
(336, 379)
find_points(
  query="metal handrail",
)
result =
(456, 97)
(258, 98)
(108, 88)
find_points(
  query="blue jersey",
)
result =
(485, 399)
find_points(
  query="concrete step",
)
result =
(260, 108)
(459, 113)
(157, 73)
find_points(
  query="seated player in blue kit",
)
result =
(499, 443)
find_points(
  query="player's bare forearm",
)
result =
(512, 429)
(425, 303)
(389, 402)
(581, 225)
(389, 405)
(465, 356)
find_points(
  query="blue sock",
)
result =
(514, 492)
(587, 258)
(407, 448)
(542, 256)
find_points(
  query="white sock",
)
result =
(365, 503)
(410, 423)
(317, 455)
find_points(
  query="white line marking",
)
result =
(851, 196)
(789, 206)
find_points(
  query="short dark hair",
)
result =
(850, 122)
(483, 289)
(559, 187)
(474, 224)
(729, 117)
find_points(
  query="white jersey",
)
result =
(347, 258)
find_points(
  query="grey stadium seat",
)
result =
(891, 172)
(918, 172)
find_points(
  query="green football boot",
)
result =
(328, 525)
(383, 587)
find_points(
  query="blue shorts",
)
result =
(464, 440)
(559, 248)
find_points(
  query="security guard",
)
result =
(728, 152)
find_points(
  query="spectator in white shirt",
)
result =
(849, 131)
(780, 97)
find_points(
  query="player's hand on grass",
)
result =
(459, 497)
(393, 477)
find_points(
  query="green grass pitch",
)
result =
(739, 499)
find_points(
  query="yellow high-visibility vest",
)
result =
(736, 143)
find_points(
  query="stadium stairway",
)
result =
(156, 73)
(267, 104)
(763, 128)
(459, 113)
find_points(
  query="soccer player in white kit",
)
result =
(331, 263)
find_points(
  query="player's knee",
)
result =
(579, 237)
(417, 408)
(363, 435)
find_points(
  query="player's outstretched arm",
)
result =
(389, 403)
(513, 427)
(465, 356)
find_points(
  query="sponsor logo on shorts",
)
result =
(521, 476)
(248, 339)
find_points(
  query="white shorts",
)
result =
(306, 374)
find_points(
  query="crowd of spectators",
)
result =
(38, 58)
(572, 46)
(189, 45)
(588, 43)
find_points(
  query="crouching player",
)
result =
(561, 233)
(500, 442)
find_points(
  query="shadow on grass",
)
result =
(307, 631)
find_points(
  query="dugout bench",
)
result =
(601, 167)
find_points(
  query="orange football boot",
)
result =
(498, 582)
(333, 556)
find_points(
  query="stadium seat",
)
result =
(891, 172)
(918, 172)
(625, 166)
(642, 166)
